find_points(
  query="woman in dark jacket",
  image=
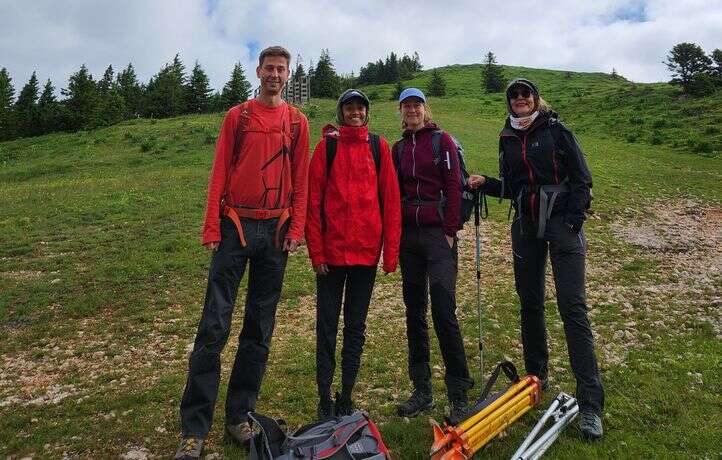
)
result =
(431, 201)
(543, 170)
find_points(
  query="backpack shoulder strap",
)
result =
(294, 118)
(245, 109)
(436, 145)
(331, 144)
(555, 128)
(375, 143)
(266, 445)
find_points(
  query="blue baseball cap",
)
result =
(411, 92)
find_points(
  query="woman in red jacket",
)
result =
(431, 192)
(353, 211)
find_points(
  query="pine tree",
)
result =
(7, 92)
(26, 108)
(300, 72)
(325, 81)
(105, 83)
(391, 67)
(82, 100)
(417, 62)
(237, 90)
(131, 90)
(685, 61)
(165, 96)
(437, 85)
(50, 111)
(198, 91)
(7, 116)
(492, 77)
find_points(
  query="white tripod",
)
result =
(563, 410)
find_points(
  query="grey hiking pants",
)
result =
(567, 251)
(267, 266)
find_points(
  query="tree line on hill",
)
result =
(89, 104)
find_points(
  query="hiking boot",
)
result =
(591, 426)
(344, 406)
(240, 433)
(325, 409)
(189, 449)
(417, 403)
(460, 410)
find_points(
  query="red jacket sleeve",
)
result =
(452, 185)
(316, 191)
(217, 180)
(299, 175)
(391, 201)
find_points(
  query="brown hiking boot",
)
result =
(189, 449)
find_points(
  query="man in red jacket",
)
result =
(255, 215)
(354, 210)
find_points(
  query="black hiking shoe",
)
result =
(189, 449)
(240, 433)
(344, 406)
(460, 410)
(417, 403)
(324, 409)
(591, 426)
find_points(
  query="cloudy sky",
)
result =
(633, 36)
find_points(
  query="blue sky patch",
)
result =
(634, 11)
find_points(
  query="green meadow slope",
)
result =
(102, 279)
(651, 113)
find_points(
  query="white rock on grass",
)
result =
(136, 453)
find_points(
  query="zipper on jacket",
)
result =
(532, 198)
(413, 174)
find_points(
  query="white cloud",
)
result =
(54, 38)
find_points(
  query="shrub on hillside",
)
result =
(311, 110)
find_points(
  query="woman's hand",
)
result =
(212, 246)
(321, 269)
(450, 240)
(475, 181)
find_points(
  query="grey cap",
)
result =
(521, 82)
(345, 97)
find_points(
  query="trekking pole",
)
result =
(479, 198)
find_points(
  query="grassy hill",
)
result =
(650, 113)
(102, 279)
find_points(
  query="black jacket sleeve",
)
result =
(580, 178)
(496, 187)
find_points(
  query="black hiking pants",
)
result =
(429, 265)
(567, 251)
(358, 282)
(267, 266)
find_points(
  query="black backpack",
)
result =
(351, 437)
(467, 197)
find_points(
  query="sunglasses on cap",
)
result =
(516, 92)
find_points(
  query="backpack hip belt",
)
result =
(235, 213)
(548, 195)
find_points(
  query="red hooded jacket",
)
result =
(345, 223)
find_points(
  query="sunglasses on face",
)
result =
(523, 92)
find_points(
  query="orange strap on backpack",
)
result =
(235, 215)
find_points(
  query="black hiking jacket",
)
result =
(545, 154)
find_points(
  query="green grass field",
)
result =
(102, 279)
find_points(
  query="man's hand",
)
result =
(290, 245)
(475, 181)
(212, 246)
(321, 269)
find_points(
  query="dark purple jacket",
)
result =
(423, 183)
